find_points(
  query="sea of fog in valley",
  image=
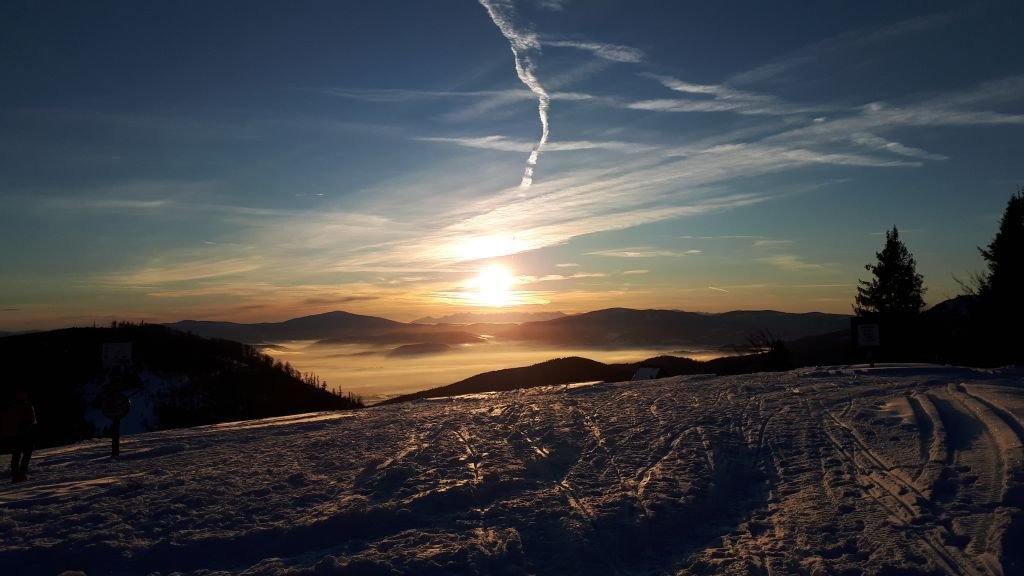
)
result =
(377, 373)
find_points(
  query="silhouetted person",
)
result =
(18, 431)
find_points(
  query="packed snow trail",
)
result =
(910, 469)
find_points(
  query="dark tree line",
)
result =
(217, 380)
(998, 293)
(981, 327)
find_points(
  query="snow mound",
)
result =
(845, 470)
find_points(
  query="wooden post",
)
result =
(115, 406)
(115, 439)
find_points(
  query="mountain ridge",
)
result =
(605, 327)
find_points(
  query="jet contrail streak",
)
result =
(522, 44)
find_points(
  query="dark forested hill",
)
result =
(181, 379)
(629, 327)
(766, 355)
(558, 371)
(576, 369)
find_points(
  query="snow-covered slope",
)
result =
(830, 471)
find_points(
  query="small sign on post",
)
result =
(117, 362)
(868, 338)
(115, 406)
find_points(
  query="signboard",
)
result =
(115, 405)
(116, 354)
(868, 335)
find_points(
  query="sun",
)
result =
(493, 287)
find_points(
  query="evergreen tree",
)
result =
(897, 288)
(1003, 286)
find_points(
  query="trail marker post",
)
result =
(868, 338)
(115, 406)
(117, 361)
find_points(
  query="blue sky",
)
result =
(262, 160)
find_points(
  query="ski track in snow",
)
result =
(842, 470)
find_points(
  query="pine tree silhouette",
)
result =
(1000, 311)
(1004, 283)
(896, 289)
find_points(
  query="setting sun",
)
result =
(494, 287)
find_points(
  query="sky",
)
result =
(258, 161)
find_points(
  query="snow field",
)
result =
(910, 469)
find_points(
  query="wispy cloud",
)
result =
(527, 280)
(161, 274)
(635, 272)
(523, 45)
(878, 143)
(803, 156)
(611, 52)
(629, 191)
(322, 300)
(861, 126)
(721, 237)
(602, 199)
(482, 102)
(567, 265)
(552, 5)
(766, 243)
(642, 252)
(420, 222)
(791, 262)
(992, 92)
(684, 105)
(722, 98)
(718, 91)
(397, 95)
(717, 98)
(854, 40)
(507, 144)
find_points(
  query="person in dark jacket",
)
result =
(18, 431)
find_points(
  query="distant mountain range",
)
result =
(495, 318)
(614, 327)
(330, 328)
(784, 340)
(317, 327)
(627, 327)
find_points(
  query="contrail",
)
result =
(522, 44)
